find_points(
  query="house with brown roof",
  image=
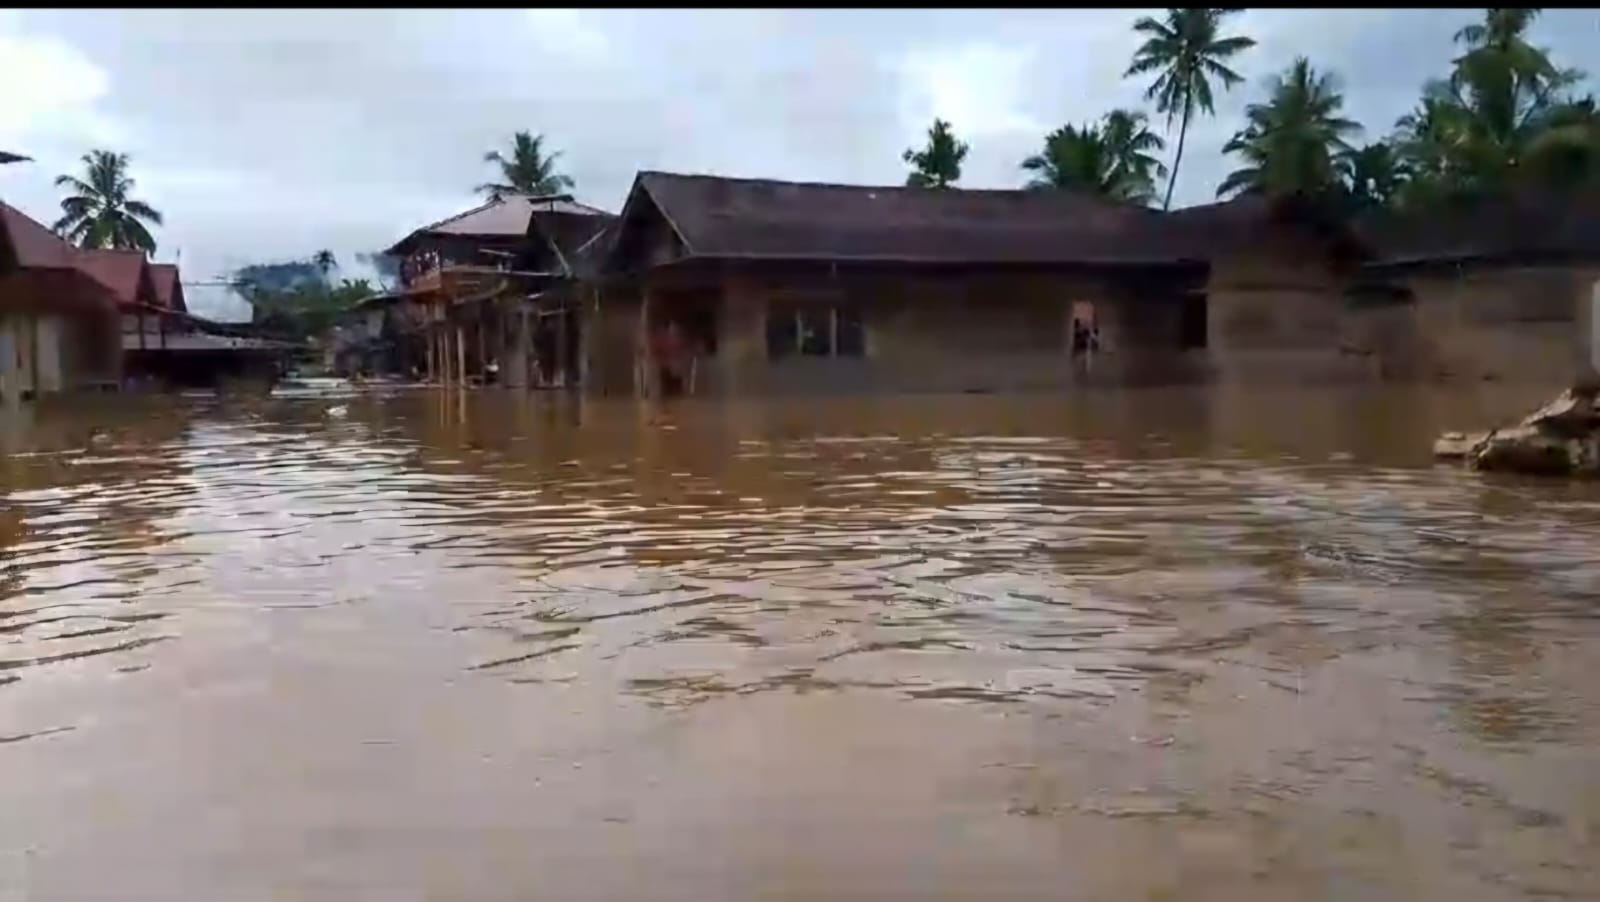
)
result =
(752, 286)
(1505, 289)
(728, 286)
(58, 321)
(492, 289)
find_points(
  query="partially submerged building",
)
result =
(493, 285)
(742, 286)
(1505, 290)
(718, 286)
(58, 323)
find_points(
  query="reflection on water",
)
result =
(1150, 645)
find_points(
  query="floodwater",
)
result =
(1148, 645)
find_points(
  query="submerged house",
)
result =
(58, 323)
(1503, 290)
(727, 286)
(494, 288)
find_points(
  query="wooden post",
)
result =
(643, 370)
(432, 345)
(461, 356)
(483, 351)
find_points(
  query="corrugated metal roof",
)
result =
(506, 216)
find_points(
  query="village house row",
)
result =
(716, 286)
(721, 286)
(73, 319)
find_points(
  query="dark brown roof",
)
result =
(32, 245)
(1526, 224)
(1206, 230)
(168, 286)
(123, 271)
(764, 219)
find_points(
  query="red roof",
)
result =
(123, 271)
(32, 246)
(169, 288)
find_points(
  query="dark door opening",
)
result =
(1192, 326)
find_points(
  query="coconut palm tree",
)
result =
(1186, 51)
(1114, 158)
(7, 157)
(99, 212)
(1373, 176)
(1503, 117)
(1295, 141)
(324, 261)
(938, 163)
(529, 169)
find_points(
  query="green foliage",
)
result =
(1504, 118)
(297, 299)
(1114, 158)
(530, 169)
(1186, 51)
(1295, 142)
(938, 163)
(99, 213)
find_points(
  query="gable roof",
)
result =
(125, 272)
(507, 216)
(30, 244)
(717, 217)
(168, 287)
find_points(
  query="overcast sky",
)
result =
(267, 135)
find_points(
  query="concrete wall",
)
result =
(933, 332)
(1504, 323)
(1276, 314)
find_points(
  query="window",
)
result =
(1192, 322)
(815, 330)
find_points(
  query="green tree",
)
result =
(99, 212)
(324, 261)
(1505, 116)
(1373, 175)
(530, 169)
(1114, 158)
(938, 163)
(1186, 51)
(1294, 142)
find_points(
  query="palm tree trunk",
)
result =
(1177, 158)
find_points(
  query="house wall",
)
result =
(1504, 323)
(933, 332)
(1277, 315)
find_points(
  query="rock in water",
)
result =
(1524, 449)
(1561, 438)
(1571, 414)
(1458, 445)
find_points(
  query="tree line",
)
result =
(1504, 116)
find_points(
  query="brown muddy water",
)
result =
(1152, 645)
